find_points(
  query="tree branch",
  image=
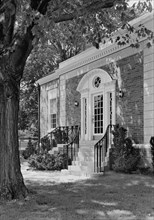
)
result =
(9, 14)
(40, 5)
(92, 7)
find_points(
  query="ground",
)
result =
(56, 196)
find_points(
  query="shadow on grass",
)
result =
(109, 196)
(112, 196)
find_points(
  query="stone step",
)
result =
(56, 149)
(85, 154)
(86, 149)
(82, 163)
(82, 169)
(87, 144)
(76, 173)
(84, 158)
(80, 173)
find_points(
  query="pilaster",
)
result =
(148, 93)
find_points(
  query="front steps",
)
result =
(83, 165)
(55, 150)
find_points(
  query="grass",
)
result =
(112, 196)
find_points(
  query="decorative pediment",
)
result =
(94, 78)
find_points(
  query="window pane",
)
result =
(53, 120)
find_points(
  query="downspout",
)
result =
(39, 139)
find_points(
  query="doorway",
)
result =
(97, 104)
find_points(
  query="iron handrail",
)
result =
(60, 135)
(100, 150)
(72, 149)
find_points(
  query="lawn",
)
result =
(56, 196)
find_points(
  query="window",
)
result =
(98, 114)
(97, 82)
(53, 113)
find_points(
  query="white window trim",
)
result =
(52, 94)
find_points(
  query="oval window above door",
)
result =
(96, 81)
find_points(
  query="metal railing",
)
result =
(101, 149)
(68, 136)
(60, 135)
(72, 148)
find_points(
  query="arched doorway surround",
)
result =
(98, 103)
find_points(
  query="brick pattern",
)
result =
(130, 81)
(73, 112)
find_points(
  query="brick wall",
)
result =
(73, 113)
(130, 108)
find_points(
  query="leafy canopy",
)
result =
(95, 19)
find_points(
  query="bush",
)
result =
(30, 150)
(152, 151)
(45, 144)
(48, 161)
(125, 157)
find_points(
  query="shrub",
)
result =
(48, 161)
(45, 144)
(61, 136)
(42, 161)
(58, 137)
(152, 151)
(125, 157)
(30, 150)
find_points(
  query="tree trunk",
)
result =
(11, 180)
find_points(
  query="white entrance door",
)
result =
(98, 114)
(102, 114)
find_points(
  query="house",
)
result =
(98, 87)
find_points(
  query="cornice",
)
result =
(92, 58)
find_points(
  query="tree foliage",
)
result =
(95, 19)
(43, 60)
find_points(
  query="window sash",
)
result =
(53, 113)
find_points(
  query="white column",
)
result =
(62, 92)
(148, 93)
(106, 111)
(82, 118)
(89, 117)
(114, 105)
